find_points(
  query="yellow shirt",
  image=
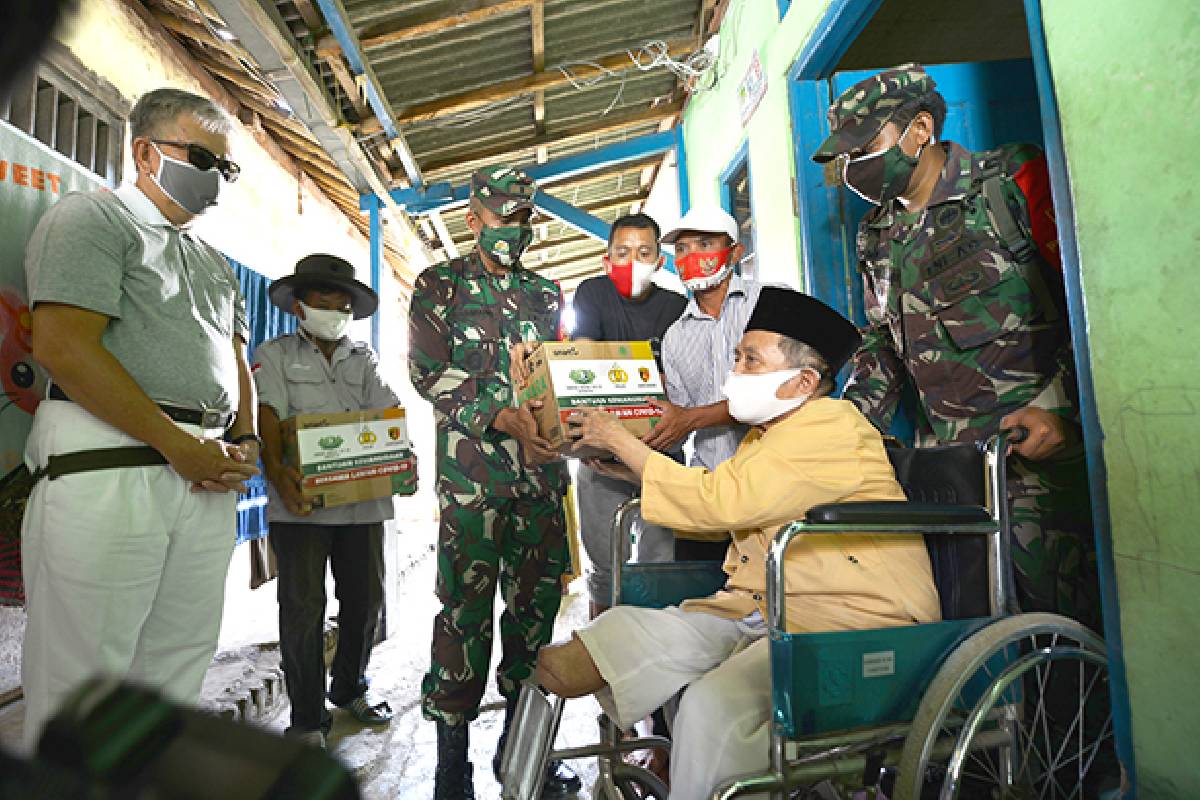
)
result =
(826, 452)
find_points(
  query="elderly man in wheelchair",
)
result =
(824, 655)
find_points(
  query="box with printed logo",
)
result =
(618, 377)
(351, 456)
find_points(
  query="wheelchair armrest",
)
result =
(896, 512)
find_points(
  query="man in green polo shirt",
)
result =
(143, 330)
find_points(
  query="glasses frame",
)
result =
(199, 156)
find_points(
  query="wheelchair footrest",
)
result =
(530, 740)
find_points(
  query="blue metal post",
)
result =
(1093, 434)
(339, 25)
(376, 245)
(685, 195)
(577, 218)
(432, 198)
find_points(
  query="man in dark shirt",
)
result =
(623, 306)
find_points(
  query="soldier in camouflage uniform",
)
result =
(964, 301)
(499, 484)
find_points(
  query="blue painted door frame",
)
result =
(843, 21)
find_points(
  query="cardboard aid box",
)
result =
(618, 377)
(347, 457)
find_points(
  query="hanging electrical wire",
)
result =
(694, 71)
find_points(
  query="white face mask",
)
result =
(325, 325)
(752, 398)
(642, 273)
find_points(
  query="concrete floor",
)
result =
(396, 761)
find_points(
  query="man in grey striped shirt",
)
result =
(698, 349)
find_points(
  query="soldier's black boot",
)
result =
(560, 779)
(452, 778)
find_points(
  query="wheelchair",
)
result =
(987, 703)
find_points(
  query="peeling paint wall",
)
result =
(259, 221)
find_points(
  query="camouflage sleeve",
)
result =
(876, 378)
(467, 400)
(1060, 396)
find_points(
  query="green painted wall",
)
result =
(1125, 80)
(1131, 127)
(714, 133)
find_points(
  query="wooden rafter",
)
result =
(613, 122)
(386, 33)
(341, 73)
(309, 13)
(546, 79)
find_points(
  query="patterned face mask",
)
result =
(883, 176)
(505, 243)
(704, 270)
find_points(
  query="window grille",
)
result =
(73, 111)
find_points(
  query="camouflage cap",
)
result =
(502, 189)
(860, 113)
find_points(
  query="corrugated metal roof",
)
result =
(427, 67)
(468, 81)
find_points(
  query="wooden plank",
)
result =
(309, 13)
(609, 124)
(547, 79)
(341, 73)
(425, 24)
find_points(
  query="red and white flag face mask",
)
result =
(631, 278)
(703, 270)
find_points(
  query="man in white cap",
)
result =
(319, 369)
(697, 351)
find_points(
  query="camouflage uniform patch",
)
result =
(500, 520)
(952, 311)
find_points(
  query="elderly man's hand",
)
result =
(671, 429)
(1049, 433)
(613, 469)
(598, 429)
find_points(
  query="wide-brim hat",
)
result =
(324, 271)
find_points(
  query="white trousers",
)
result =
(124, 570)
(720, 729)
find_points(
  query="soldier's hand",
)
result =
(518, 371)
(287, 482)
(1048, 435)
(210, 465)
(672, 428)
(520, 424)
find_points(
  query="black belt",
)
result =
(209, 418)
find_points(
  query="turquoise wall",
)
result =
(1125, 78)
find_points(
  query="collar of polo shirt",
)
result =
(141, 206)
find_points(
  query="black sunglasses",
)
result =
(204, 159)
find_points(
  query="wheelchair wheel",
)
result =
(1018, 710)
(633, 783)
